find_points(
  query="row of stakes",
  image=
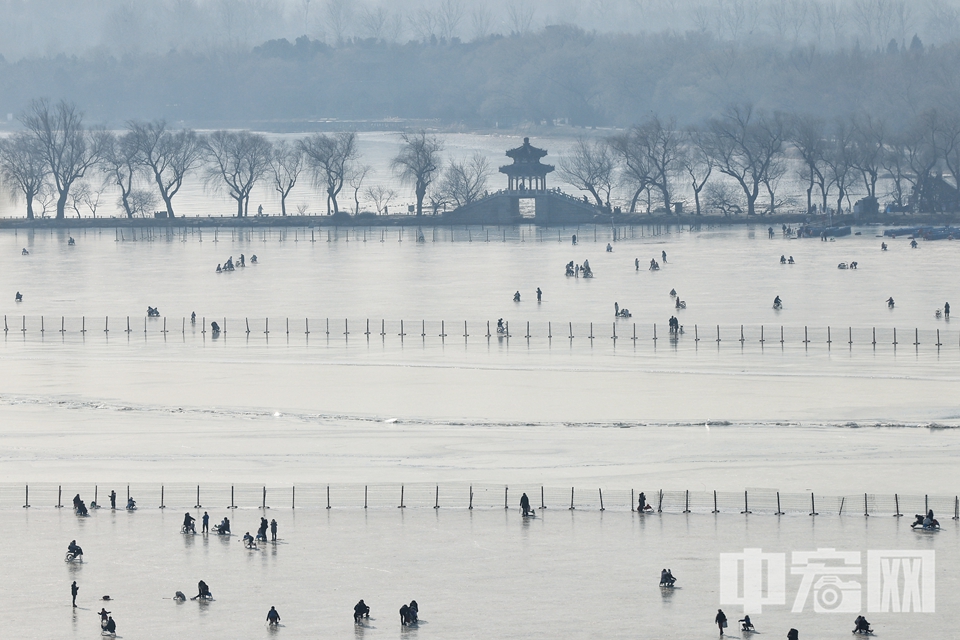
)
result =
(506, 501)
(443, 334)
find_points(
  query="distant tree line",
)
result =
(755, 152)
(59, 163)
(557, 75)
(744, 160)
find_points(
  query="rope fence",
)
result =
(580, 333)
(466, 496)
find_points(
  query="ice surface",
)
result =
(475, 574)
(183, 408)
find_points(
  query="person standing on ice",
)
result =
(273, 617)
(525, 505)
(206, 522)
(74, 590)
(273, 530)
(721, 620)
(113, 499)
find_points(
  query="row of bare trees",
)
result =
(755, 149)
(48, 160)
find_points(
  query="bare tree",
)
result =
(67, 147)
(142, 202)
(87, 194)
(894, 161)
(869, 136)
(22, 168)
(238, 160)
(418, 162)
(449, 16)
(744, 143)
(520, 13)
(464, 181)
(339, 15)
(329, 158)
(636, 172)
(926, 145)
(121, 162)
(286, 163)
(590, 168)
(423, 21)
(357, 175)
(661, 142)
(374, 22)
(808, 136)
(840, 159)
(481, 22)
(724, 198)
(167, 156)
(697, 163)
(381, 197)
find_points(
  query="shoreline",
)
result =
(693, 221)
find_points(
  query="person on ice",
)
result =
(104, 614)
(206, 522)
(861, 625)
(525, 505)
(111, 626)
(745, 624)
(203, 592)
(74, 590)
(262, 531)
(360, 611)
(188, 521)
(75, 549)
(516, 297)
(273, 530)
(721, 620)
(273, 617)
(248, 541)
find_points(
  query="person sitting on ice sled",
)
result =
(862, 626)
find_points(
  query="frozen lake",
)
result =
(182, 408)
(475, 574)
(187, 406)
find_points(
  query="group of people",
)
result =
(787, 231)
(107, 623)
(785, 260)
(576, 270)
(79, 507)
(241, 262)
(675, 327)
(927, 522)
(620, 313)
(409, 613)
(844, 265)
(654, 265)
(153, 312)
(222, 529)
